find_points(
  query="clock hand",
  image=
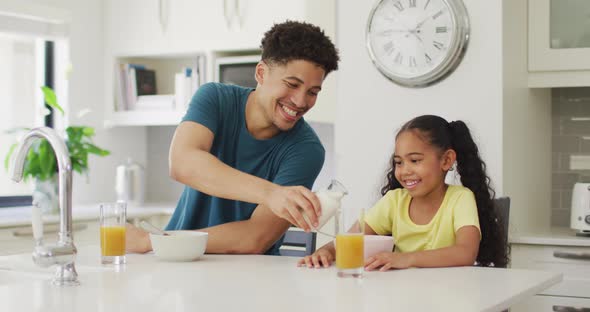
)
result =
(424, 20)
(390, 31)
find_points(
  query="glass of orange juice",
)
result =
(112, 232)
(349, 247)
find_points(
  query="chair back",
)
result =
(502, 206)
(297, 243)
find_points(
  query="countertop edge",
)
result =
(21, 216)
(557, 236)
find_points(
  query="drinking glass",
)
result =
(112, 232)
(349, 246)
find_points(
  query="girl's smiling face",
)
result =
(419, 166)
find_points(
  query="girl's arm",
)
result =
(325, 255)
(463, 253)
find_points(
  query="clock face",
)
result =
(417, 42)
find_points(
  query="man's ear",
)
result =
(448, 159)
(260, 72)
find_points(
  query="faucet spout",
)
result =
(65, 252)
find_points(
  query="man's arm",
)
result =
(192, 164)
(253, 236)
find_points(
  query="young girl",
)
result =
(434, 224)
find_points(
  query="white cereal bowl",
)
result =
(375, 244)
(179, 245)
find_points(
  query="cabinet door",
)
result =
(20, 239)
(552, 304)
(559, 35)
(226, 25)
(134, 27)
(576, 273)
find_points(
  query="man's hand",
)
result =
(291, 202)
(321, 257)
(136, 240)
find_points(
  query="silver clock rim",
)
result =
(459, 45)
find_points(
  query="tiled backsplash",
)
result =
(571, 136)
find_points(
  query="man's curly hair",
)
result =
(293, 40)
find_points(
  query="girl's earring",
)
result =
(452, 167)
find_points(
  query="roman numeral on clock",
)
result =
(412, 61)
(398, 58)
(427, 57)
(399, 6)
(412, 3)
(437, 45)
(441, 29)
(388, 47)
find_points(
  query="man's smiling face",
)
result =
(288, 91)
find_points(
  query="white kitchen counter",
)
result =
(19, 216)
(265, 283)
(557, 236)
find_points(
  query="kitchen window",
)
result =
(30, 49)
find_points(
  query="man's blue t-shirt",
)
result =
(293, 157)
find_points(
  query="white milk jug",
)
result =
(330, 199)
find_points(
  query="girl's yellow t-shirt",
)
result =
(390, 216)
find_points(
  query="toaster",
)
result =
(580, 216)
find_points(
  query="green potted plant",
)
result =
(41, 164)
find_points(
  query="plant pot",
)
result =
(46, 195)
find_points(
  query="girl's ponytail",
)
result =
(472, 169)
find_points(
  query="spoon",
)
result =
(151, 228)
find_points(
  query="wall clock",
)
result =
(416, 43)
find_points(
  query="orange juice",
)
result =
(349, 251)
(112, 240)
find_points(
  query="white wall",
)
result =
(371, 108)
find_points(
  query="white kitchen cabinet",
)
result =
(573, 291)
(19, 239)
(552, 304)
(136, 27)
(166, 33)
(559, 43)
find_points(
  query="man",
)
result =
(247, 157)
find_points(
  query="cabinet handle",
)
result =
(558, 308)
(571, 255)
(225, 16)
(238, 14)
(28, 232)
(163, 14)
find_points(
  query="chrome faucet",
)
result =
(64, 252)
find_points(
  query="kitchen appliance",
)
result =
(580, 214)
(238, 70)
(130, 183)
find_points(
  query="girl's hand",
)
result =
(319, 258)
(388, 260)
